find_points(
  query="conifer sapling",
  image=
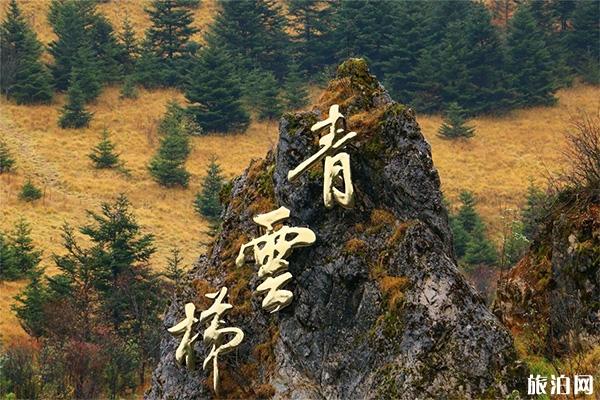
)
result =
(6, 161)
(30, 192)
(103, 155)
(453, 125)
(207, 201)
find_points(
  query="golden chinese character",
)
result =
(337, 165)
(184, 351)
(213, 335)
(270, 250)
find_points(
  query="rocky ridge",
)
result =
(380, 309)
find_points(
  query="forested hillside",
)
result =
(167, 101)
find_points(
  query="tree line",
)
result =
(259, 54)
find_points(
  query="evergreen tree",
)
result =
(22, 74)
(109, 53)
(467, 216)
(71, 21)
(6, 161)
(103, 155)
(30, 303)
(174, 270)
(261, 91)
(73, 114)
(8, 268)
(167, 167)
(401, 54)
(29, 192)
(295, 94)
(85, 73)
(26, 258)
(207, 201)
(534, 212)
(149, 71)
(453, 125)
(583, 40)
(131, 48)
(362, 28)
(214, 93)
(479, 249)
(483, 58)
(129, 89)
(460, 237)
(503, 10)
(311, 23)
(168, 38)
(253, 33)
(428, 84)
(178, 121)
(119, 249)
(529, 63)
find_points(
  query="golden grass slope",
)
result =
(496, 165)
(36, 12)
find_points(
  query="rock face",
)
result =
(550, 300)
(380, 309)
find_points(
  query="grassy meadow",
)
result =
(497, 164)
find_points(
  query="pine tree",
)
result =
(168, 38)
(73, 114)
(167, 167)
(467, 216)
(30, 303)
(71, 22)
(453, 125)
(6, 161)
(214, 93)
(583, 40)
(85, 73)
(476, 44)
(129, 89)
(479, 249)
(311, 23)
(503, 10)
(295, 94)
(362, 28)
(178, 121)
(529, 63)
(8, 268)
(149, 71)
(22, 74)
(534, 211)
(174, 270)
(26, 258)
(262, 94)
(253, 32)
(400, 55)
(460, 237)
(207, 201)
(29, 192)
(103, 155)
(131, 48)
(108, 51)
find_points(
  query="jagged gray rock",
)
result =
(380, 309)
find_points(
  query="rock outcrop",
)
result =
(551, 299)
(380, 309)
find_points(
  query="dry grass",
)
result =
(506, 152)
(36, 12)
(496, 164)
(56, 160)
